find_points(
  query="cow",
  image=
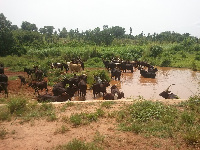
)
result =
(152, 69)
(59, 88)
(38, 86)
(82, 88)
(22, 79)
(4, 87)
(108, 96)
(75, 67)
(115, 91)
(167, 94)
(116, 73)
(39, 75)
(125, 66)
(3, 78)
(1, 68)
(97, 88)
(147, 74)
(51, 98)
(29, 71)
(60, 65)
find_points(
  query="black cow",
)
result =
(39, 75)
(1, 70)
(22, 79)
(108, 96)
(125, 66)
(4, 87)
(115, 90)
(82, 88)
(168, 95)
(3, 78)
(97, 88)
(116, 73)
(147, 74)
(38, 86)
(51, 98)
(152, 69)
(29, 71)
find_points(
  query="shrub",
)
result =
(78, 145)
(155, 50)
(17, 106)
(4, 113)
(94, 62)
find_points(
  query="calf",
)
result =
(23, 80)
(115, 90)
(39, 86)
(4, 87)
(108, 96)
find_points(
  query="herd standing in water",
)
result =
(78, 83)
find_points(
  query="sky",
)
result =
(149, 16)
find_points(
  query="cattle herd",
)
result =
(78, 83)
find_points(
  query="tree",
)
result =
(28, 26)
(63, 33)
(6, 36)
(49, 30)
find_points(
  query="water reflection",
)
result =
(187, 83)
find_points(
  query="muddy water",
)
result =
(187, 83)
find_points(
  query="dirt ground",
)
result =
(41, 134)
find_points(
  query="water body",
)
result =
(187, 83)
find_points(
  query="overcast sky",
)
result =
(149, 16)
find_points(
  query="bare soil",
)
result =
(41, 134)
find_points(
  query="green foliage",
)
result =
(75, 119)
(192, 136)
(17, 106)
(103, 74)
(94, 63)
(155, 50)
(147, 110)
(85, 118)
(4, 113)
(193, 104)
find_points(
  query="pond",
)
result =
(186, 83)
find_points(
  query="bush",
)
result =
(94, 62)
(155, 50)
(17, 106)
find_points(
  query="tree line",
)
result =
(16, 40)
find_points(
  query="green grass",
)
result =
(164, 121)
(78, 145)
(63, 129)
(85, 118)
